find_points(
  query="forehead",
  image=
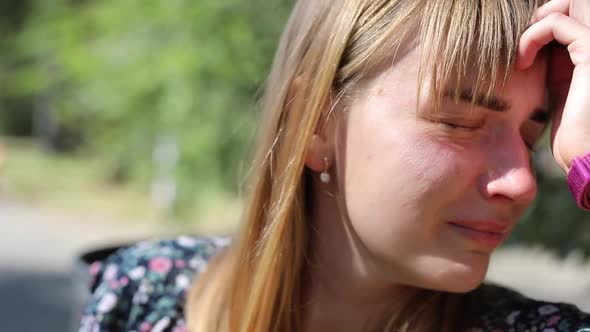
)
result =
(526, 86)
(399, 81)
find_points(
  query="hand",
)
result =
(568, 76)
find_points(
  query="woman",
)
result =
(394, 158)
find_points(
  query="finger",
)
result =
(556, 26)
(554, 6)
(580, 10)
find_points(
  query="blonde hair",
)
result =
(330, 45)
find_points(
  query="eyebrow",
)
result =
(497, 104)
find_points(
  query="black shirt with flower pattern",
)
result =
(143, 287)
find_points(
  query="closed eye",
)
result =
(456, 126)
(540, 116)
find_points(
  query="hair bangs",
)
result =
(470, 42)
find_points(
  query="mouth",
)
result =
(489, 234)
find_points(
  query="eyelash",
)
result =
(456, 126)
(529, 146)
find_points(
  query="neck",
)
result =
(344, 292)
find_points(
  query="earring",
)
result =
(325, 176)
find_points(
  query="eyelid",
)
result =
(455, 125)
(471, 121)
(469, 118)
(454, 119)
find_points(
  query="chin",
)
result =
(463, 278)
(456, 276)
(466, 285)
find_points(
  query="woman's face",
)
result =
(430, 196)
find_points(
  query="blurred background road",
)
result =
(38, 249)
(46, 239)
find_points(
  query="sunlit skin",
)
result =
(407, 174)
(404, 178)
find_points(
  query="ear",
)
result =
(321, 147)
(319, 155)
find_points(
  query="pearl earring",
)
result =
(325, 176)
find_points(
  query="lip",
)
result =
(487, 233)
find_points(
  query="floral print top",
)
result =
(143, 287)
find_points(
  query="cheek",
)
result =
(428, 162)
(398, 184)
(404, 174)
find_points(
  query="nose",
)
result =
(509, 174)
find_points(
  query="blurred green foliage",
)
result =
(121, 75)
(554, 220)
(115, 77)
